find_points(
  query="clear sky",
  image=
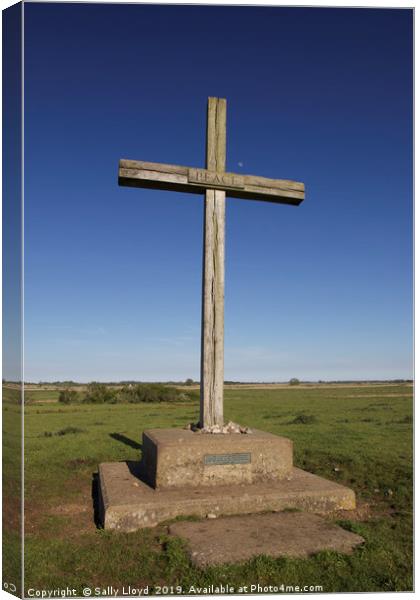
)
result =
(113, 274)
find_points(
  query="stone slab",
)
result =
(183, 458)
(127, 503)
(237, 539)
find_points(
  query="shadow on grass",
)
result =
(127, 441)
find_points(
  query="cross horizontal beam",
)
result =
(134, 173)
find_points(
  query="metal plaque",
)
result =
(239, 458)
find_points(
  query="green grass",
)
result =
(12, 477)
(41, 395)
(361, 437)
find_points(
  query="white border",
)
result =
(315, 3)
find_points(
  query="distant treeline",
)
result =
(70, 383)
(100, 393)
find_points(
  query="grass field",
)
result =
(39, 396)
(359, 436)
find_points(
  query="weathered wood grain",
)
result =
(196, 181)
(212, 327)
(152, 166)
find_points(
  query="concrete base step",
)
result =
(127, 503)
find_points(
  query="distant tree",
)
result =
(294, 381)
(68, 396)
(99, 393)
(189, 382)
(149, 392)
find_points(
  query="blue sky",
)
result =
(113, 274)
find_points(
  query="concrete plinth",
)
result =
(127, 503)
(181, 458)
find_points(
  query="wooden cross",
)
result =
(216, 184)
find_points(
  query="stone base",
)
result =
(237, 539)
(128, 504)
(183, 458)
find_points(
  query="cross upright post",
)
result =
(215, 183)
(212, 323)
